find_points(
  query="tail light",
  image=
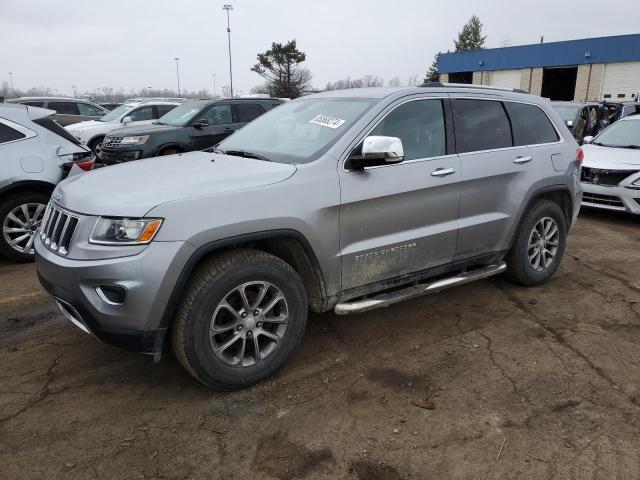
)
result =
(579, 156)
(85, 164)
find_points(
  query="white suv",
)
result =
(138, 112)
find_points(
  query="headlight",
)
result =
(124, 231)
(134, 140)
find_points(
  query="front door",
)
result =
(401, 218)
(220, 126)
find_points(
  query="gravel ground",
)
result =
(488, 380)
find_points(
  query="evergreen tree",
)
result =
(432, 74)
(470, 38)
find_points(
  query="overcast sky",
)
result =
(132, 43)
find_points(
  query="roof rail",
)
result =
(471, 85)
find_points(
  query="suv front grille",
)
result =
(607, 200)
(111, 143)
(609, 178)
(57, 229)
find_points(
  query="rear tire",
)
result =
(228, 339)
(539, 244)
(18, 229)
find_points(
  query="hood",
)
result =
(86, 124)
(142, 130)
(132, 189)
(611, 158)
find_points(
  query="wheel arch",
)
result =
(289, 245)
(26, 186)
(178, 146)
(560, 194)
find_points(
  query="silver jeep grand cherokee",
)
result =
(344, 201)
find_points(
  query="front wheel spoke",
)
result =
(243, 296)
(282, 318)
(216, 329)
(25, 212)
(19, 239)
(256, 347)
(243, 347)
(228, 343)
(38, 214)
(14, 230)
(261, 294)
(272, 303)
(15, 219)
(29, 243)
(552, 243)
(227, 306)
(269, 334)
(553, 232)
(536, 261)
(547, 226)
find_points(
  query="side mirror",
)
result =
(126, 120)
(378, 150)
(588, 139)
(569, 123)
(202, 123)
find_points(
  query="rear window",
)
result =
(52, 126)
(530, 125)
(245, 112)
(8, 134)
(480, 125)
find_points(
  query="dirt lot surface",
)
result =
(489, 380)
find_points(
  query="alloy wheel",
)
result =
(20, 225)
(249, 323)
(543, 244)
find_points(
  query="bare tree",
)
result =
(394, 82)
(413, 81)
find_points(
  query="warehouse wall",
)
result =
(589, 82)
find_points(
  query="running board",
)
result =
(389, 298)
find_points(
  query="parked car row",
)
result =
(67, 110)
(587, 119)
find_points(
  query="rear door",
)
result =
(160, 110)
(220, 126)
(245, 112)
(401, 218)
(505, 148)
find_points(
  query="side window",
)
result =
(90, 110)
(162, 109)
(420, 126)
(245, 112)
(64, 108)
(34, 104)
(480, 125)
(8, 134)
(219, 114)
(142, 113)
(530, 125)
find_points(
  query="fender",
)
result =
(28, 185)
(563, 188)
(202, 251)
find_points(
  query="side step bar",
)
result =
(389, 298)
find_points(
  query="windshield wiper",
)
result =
(244, 154)
(634, 147)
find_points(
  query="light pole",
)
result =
(214, 85)
(13, 90)
(177, 59)
(228, 7)
(75, 92)
(148, 91)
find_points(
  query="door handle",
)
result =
(523, 159)
(442, 172)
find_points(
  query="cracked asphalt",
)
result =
(488, 380)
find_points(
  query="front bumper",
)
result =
(621, 199)
(115, 156)
(149, 278)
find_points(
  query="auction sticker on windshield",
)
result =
(327, 121)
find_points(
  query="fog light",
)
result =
(112, 294)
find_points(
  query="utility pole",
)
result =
(228, 7)
(177, 59)
(13, 90)
(75, 92)
(214, 85)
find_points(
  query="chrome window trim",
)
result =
(27, 132)
(384, 115)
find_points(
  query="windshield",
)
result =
(115, 114)
(568, 113)
(180, 116)
(623, 133)
(299, 131)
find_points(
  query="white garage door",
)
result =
(506, 78)
(621, 80)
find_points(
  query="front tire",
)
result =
(96, 147)
(243, 314)
(20, 217)
(539, 245)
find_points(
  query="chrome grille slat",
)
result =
(58, 229)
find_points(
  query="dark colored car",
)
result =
(584, 119)
(617, 110)
(193, 125)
